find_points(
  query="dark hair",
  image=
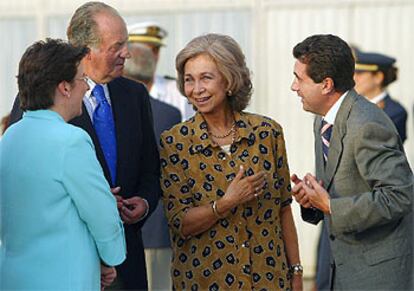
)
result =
(42, 67)
(83, 29)
(230, 61)
(390, 75)
(326, 56)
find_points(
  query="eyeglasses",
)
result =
(84, 78)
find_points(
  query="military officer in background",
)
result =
(163, 88)
(141, 68)
(373, 73)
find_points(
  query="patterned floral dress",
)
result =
(245, 250)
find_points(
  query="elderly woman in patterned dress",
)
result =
(225, 180)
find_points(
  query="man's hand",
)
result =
(108, 275)
(119, 199)
(302, 188)
(133, 209)
(299, 192)
(317, 196)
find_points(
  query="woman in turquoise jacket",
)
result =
(60, 228)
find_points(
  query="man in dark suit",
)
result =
(363, 187)
(141, 67)
(134, 172)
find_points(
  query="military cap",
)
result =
(146, 32)
(372, 62)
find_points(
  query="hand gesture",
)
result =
(317, 196)
(310, 193)
(299, 192)
(119, 199)
(243, 189)
(133, 209)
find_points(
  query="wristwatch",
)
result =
(296, 269)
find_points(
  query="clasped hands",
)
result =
(132, 209)
(308, 192)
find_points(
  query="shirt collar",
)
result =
(333, 111)
(92, 84)
(378, 98)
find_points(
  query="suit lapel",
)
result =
(125, 116)
(338, 135)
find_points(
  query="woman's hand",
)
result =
(108, 275)
(297, 282)
(243, 189)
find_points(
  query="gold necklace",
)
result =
(231, 131)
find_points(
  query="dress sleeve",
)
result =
(84, 181)
(282, 167)
(177, 196)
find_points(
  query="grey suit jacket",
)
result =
(371, 187)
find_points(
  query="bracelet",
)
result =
(296, 269)
(215, 211)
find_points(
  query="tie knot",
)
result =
(98, 93)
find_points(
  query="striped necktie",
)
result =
(326, 132)
(103, 122)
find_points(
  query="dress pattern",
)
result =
(245, 250)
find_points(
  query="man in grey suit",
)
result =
(363, 186)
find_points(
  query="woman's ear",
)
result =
(64, 88)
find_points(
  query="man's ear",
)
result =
(328, 86)
(88, 56)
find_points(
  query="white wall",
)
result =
(267, 30)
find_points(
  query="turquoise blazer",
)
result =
(58, 216)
